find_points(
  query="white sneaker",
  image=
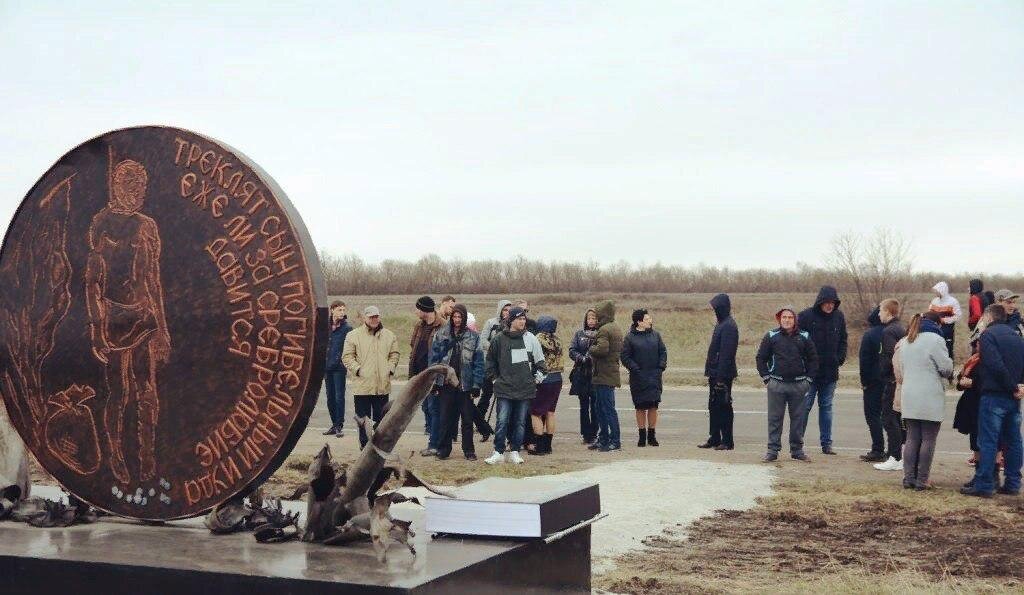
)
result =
(495, 458)
(514, 458)
(890, 465)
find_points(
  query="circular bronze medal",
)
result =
(161, 323)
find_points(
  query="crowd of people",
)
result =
(511, 369)
(904, 371)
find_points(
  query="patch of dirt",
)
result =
(773, 544)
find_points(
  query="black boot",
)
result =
(538, 445)
(651, 439)
(547, 443)
(643, 438)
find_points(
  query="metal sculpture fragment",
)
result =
(347, 505)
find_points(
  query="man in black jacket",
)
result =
(720, 369)
(892, 331)
(786, 361)
(871, 383)
(826, 325)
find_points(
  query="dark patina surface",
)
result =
(161, 345)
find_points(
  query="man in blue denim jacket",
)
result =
(457, 346)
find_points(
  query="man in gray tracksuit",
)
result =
(787, 363)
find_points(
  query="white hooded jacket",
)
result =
(945, 304)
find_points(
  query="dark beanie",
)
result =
(425, 304)
(638, 315)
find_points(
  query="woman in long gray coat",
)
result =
(923, 364)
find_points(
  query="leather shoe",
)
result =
(873, 457)
(770, 458)
(724, 447)
(801, 456)
(972, 491)
(1007, 492)
(470, 456)
(827, 450)
(707, 444)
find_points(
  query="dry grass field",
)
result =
(833, 535)
(685, 322)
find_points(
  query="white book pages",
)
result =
(468, 517)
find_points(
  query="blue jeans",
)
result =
(511, 423)
(824, 394)
(607, 416)
(998, 424)
(432, 416)
(336, 397)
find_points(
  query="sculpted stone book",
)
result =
(505, 507)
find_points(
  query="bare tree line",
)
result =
(871, 267)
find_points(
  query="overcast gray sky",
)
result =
(730, 133)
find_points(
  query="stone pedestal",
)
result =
(116, 556)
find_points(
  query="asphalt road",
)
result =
(683, 418)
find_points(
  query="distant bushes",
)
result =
(351, 275)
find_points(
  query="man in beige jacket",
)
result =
(370, 355)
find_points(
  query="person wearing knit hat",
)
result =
(419, 352)
(786, 361)
(425, 304)
(515, 363)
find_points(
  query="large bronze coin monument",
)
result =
(161, 310)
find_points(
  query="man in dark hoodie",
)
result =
(720, 369)
(604, 352)
(786, 361)
(514, 361)
(872, 385)
(826, 325)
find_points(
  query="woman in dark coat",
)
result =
(645, 356)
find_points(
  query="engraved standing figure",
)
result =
(127, 325)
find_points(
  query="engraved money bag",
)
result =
(71, 431)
